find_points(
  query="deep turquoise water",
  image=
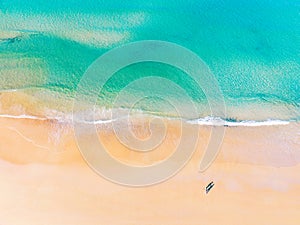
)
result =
(252, 48)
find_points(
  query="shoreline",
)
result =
(43, 104)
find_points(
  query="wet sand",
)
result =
(45, 180)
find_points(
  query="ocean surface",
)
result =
(251, 47)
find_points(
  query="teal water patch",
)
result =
(51, 62)
(252, 47)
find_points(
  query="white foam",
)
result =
(207, 121)
(217, 121)
(23, 116)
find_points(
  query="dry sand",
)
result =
(44, 180)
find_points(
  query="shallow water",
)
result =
(252, 48)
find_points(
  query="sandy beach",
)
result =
(98, 95)
(45, 180)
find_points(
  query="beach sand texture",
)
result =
(45, 180)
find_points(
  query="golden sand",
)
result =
(44, 179)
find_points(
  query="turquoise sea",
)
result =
(252, 48)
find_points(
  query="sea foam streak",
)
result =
(215, 121)
(206, 121)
